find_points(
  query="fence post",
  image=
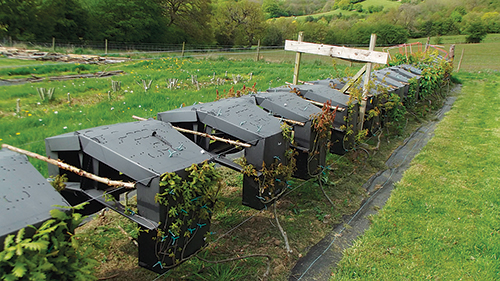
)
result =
(427, 44)
(460, 62)
(298, 56)
(183, 46)
(258, 50)
(364, 98)
(53, 44)
(105, 46)
(18, 107)
(452, 53)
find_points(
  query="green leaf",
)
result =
(20, 236)
(37, 245)
(19, 269)
(38, 276)
(8, 241)
(9, 277)
(74, 242)
(9, 253)
(58, 214)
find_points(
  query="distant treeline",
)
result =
(240, 23)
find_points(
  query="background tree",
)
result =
(273, 9)
(191, 17)
(127, 21)
(239, 23)
(476, 32)
(491, 21)
(19, 17)
(68, 18)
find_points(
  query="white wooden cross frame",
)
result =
(369, 56)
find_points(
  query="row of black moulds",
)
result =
(142, 151)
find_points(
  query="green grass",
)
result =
(484, 56)
(16, 62)
(442, 220)
(90, 106)
(456, 39)
(386, 3)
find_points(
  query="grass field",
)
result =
(386, 3)
(442, 220)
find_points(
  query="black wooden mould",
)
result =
(347, 113)
(138, 152)
(238, 119)
(26, 196)
(311, 151)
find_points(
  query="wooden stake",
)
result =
(298, 56)
(70, 168)
(18, 107)
(183, 46)
(237, 143)
(460, 62)
(353, 79)
(427, 44)
(258, 50)
(53, 44)
(452, 53)
(291, 121)
(340, 109)
(105, 46)
(362, 109)
(305, 83)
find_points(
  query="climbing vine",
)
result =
(275, 177)
(189, 204)
(433, 76)
(322, 122)
(235, 94)
(51, 253)
(58, 182)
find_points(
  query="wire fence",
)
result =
(115, 46)
(133, 46)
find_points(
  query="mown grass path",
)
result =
(443, 219)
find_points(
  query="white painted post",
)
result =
(298, 56)
(362, 109)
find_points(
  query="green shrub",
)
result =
(51, 253)
(476, 32)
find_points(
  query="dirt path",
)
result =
(323, 257)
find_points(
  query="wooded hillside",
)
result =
(231, 23)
